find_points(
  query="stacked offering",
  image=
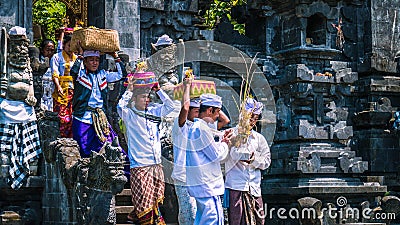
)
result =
(198, 87)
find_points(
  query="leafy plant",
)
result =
(49, 15)
(220, 8)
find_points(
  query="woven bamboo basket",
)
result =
(104, 40)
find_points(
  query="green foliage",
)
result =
(218, 9)
(49, 15)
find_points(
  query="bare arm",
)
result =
(56, 74)
(187, 82)
(223, 120)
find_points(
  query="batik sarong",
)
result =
(245, 209)
(147, 186)
(64, 109)
(187, 206)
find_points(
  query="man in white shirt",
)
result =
(189, 111)
(144, 149)
(204, 177)
(243, 176)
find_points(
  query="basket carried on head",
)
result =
(198, 88)
(104, 40)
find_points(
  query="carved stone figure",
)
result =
(18, 128)
(18, 72)
(93, 182)
(162, 64)
(162, 61)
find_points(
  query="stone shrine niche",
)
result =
(316, 31)
(307, 27)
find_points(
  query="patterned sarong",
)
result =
(22, 141)
(64, 110)
(147, 186)
(245, 209)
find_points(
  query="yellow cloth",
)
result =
(66, 81)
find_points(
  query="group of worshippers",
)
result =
(80, 99)
(77, 90)
(199, 181)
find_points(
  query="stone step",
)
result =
(125, 192)
(364, 224)
(123, 209)
(124, 198)
(168, 209)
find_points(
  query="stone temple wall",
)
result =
(16, 13)
(172, 17)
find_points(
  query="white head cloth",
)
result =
(88, 53)
(211, 100)
(195, 102)
(17, 31)
(164, 40)
(253, 106)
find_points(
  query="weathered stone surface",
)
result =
(158, 4)
(311, 203)
(17, 13)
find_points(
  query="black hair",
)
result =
(45, 42)
(139, 91)
(204, 108)
(67, 38)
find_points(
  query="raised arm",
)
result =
(121, 71)
(223, 120)
(76, 68)
(187, 83)
(162, 109)
(122, 107)
(74, 72)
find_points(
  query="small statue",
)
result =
(163, 61)
(17, 82)
(18, 127)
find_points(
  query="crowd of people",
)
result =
(77, 90)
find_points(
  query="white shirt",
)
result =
(144, 146)
(16, 112)
(241, 176)
(179, 139)
(203, 170)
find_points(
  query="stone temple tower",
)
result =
(332, 75)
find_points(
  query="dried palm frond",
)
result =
(244, 127)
